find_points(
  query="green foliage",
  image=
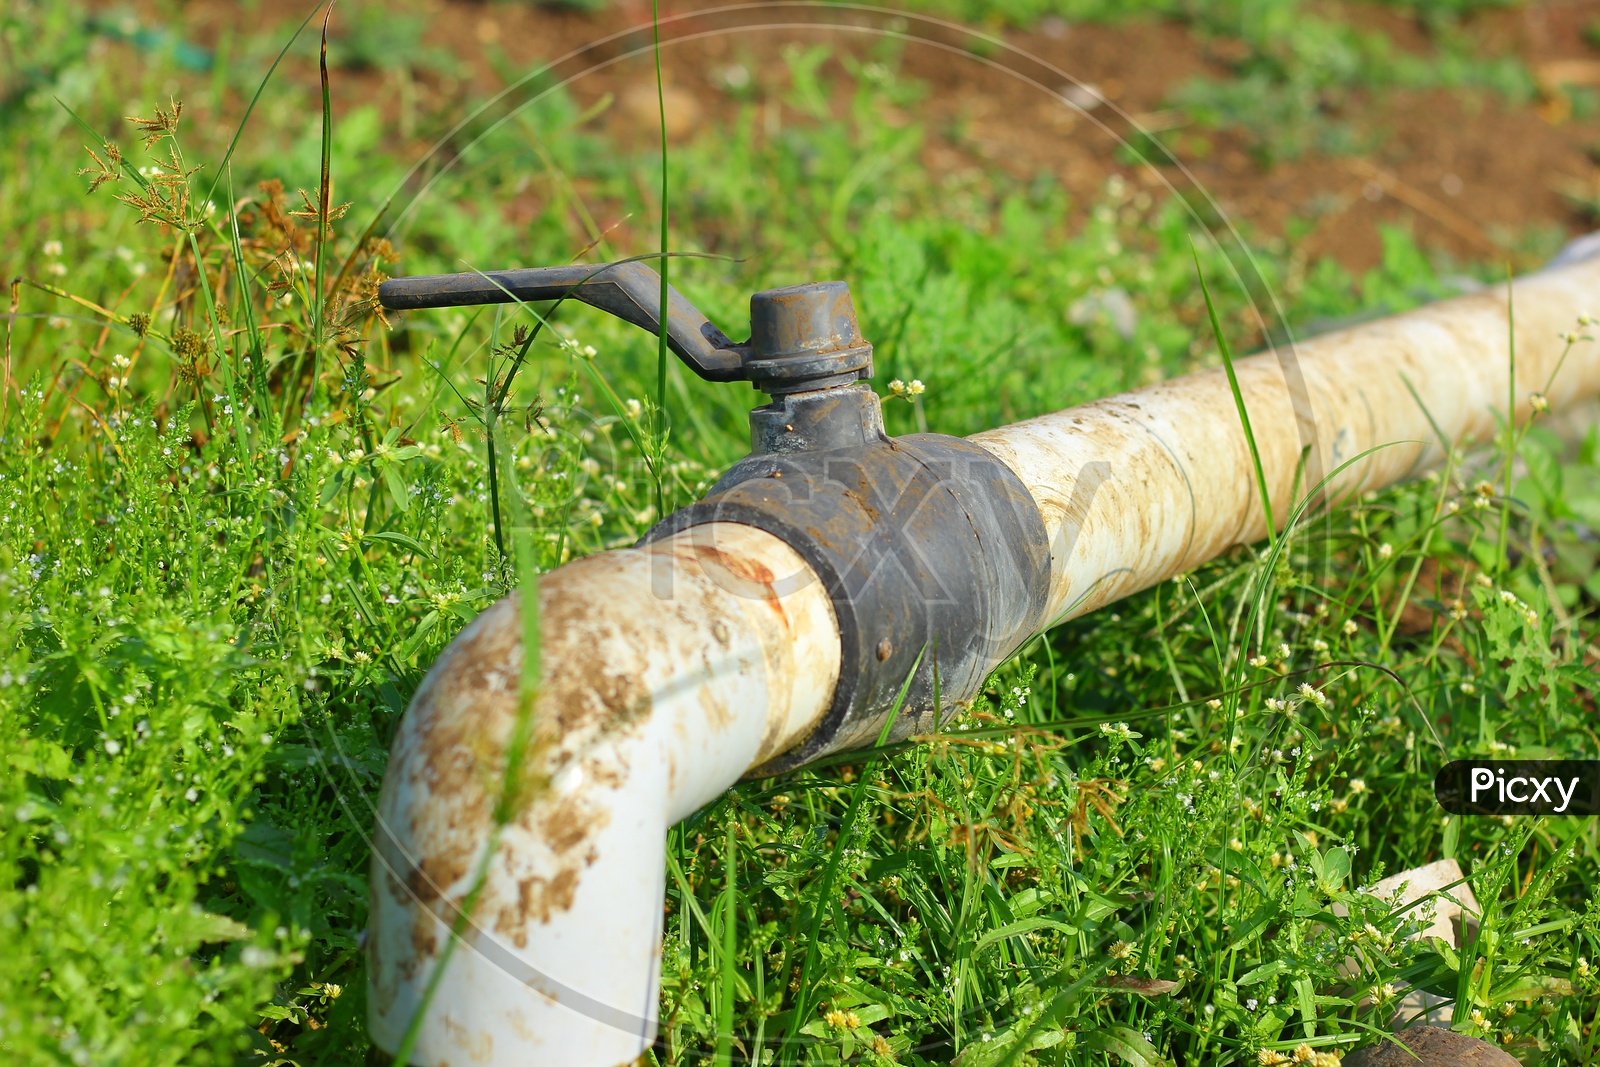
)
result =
(232, 543)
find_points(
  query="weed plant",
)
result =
(240, 514)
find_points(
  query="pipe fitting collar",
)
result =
(935, 557)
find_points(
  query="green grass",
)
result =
(222, 575)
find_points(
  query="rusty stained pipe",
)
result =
(671, 670)
(667, 671)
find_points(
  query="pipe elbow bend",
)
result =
(665, 673)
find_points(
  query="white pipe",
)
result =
(649, 708)
(1139, 487)
(668, 671)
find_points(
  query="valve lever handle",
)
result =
(804, 338)
(630, 291)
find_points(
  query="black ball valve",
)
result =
(932, 551)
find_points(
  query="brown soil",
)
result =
(1472, 175)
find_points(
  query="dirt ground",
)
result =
(1473, 175)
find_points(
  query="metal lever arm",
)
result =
(630, 291)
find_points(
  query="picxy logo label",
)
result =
(1519, 787)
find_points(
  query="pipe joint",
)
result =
(932, 551)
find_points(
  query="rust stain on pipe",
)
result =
(666, 672)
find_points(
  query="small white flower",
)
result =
(113, 746)
(1315, 696)
(1116, 730)
(52, 248)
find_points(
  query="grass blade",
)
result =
(730, 942)
(324, 179)
(1238, 398)
(659, 430)
(1504, 536)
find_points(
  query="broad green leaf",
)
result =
(398, 539)
(331, 489)
(1126, 1042)
(397, 487)
(1262, 973)
(424, 626)
(1335, 868)
(1018, 928)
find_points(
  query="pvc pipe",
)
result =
(1139, 487)
(668, 671)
